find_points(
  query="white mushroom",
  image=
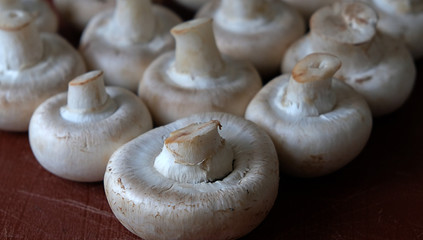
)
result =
(318, 123)
(125, 41)
(46, 19)
(255, 30)
(73, 135)
(77, 13)
(402, 19)
(33, 67)
(308, 7)
(208, 176)
(196, 78)
(375, 65)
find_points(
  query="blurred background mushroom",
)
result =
(44, 16)
(75, 14)
(254, 30)
(33, 67)
(123, 42)
(402, 19)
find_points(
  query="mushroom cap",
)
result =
(404, 24)
(169, 100)
(79, 151)
(315, 145)
(124, 65)
(77, 13)
(22, 91)
(45, 18)
(263, 41)
(155, 207)
(381, 70)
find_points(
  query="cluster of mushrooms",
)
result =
(173, 115)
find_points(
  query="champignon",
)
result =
(317, 123)
(196, 78)
(192, 180)
(402, 20)
(73, 134)
(254, 30)
(77, 13)
(375, 65)
(33, 67)
(125, 41)
(46, 19)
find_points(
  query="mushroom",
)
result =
(124, 42)
(46, 19)
(317, 123)
(196, 78)
(308, 7)
(33, 67)
(77, 13)
(73, 134)
(375, 65)
(208, 176)
(254, 30)
(402, 19)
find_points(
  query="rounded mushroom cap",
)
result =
(402, 20)
(312, 143)
(168, 100)
(33, 67)
(380, 68)
(156, 207)
(40, 11)
(124, 62)
(196, 78)
(261, 37)
(76, 144)
(347, 23)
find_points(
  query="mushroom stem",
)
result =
(196, 50)
(196, 153)
(239, 10)
(353, 36)
(20, 43)
(87, 95)
(133, 21)
(309, 91)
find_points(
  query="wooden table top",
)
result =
(379, 195)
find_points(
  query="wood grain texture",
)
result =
(379, 195)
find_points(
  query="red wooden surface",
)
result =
(377, 196)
